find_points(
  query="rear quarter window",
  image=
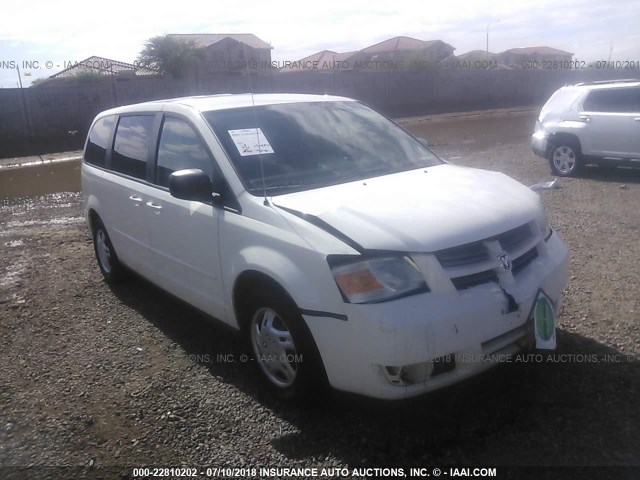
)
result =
(615, 100)
(131, 145)
(98, 141)
(560, 102)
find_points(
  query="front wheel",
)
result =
(110, 266)
(284, 349)
(565, 160)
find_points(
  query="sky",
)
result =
(70, 31)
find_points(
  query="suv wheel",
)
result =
(565, 159)
(110, 266)
(283, 347)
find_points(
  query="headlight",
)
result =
(378, 279)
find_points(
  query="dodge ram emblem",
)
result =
(505, 261)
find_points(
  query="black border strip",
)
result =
(319, 313)
(318, 222)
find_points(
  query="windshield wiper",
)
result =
(278, 186)
(361, 175)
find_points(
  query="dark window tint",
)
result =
(180, 148)
(613, 100)
(96, 152)
(131, 145)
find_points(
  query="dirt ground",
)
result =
(99, 376)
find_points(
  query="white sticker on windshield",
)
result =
(250, 141)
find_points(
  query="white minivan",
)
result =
(345, 250)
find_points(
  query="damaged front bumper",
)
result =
(416, 344)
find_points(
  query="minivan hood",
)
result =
(420, 210)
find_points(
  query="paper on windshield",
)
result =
(250, 141)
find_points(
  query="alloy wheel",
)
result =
(564, 159)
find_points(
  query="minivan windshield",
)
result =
(314, 144)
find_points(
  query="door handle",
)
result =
(586, 118)
(637, 119)
(135, 198)
(154, 205)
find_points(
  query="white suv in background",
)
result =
(345, 251)
(597, 123)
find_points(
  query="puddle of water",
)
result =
(40, 179)
(53, 221)
(476, 133)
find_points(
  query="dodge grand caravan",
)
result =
(346, 252)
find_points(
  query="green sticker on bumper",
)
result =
(545, 323)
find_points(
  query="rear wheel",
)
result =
(110, 266)
(284, 349)
(565, 159)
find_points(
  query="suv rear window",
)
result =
(96, 151)
(131, 145)
(613, 100)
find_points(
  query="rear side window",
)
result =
(615, 100)
(131, 145)
(180, 148)
(561, 101)
(96, 151)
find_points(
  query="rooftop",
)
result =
(205, 103)
(537, 50)
(476, 54)
(603, 84)
(402, 43)
(204, 40)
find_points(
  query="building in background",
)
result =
(406, 53)
(224, 53)
(397, 53)
(532, 56)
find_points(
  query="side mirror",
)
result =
(191, 184)
(423, 141)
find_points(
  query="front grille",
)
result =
(523, 261)
(471, 264)
(475, 279)
(463, 255)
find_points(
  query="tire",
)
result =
(112, 270)
(565, 159)
(285, 352)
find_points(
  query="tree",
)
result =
(88, 76)
(38, 81)
(169, 55)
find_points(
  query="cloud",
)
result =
(68, 30)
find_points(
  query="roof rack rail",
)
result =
(601, 82)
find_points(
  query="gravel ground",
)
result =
(98, 376)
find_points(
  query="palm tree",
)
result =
(169, 55)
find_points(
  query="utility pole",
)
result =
(488, 25)
(19, 76)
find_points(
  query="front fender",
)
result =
(283, 256)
